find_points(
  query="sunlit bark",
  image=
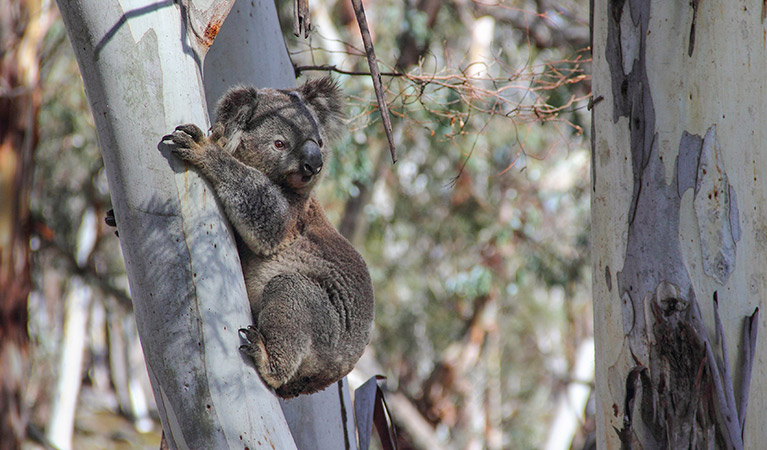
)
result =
(141, 63)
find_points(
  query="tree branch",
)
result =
(359, 12)
(335, 69)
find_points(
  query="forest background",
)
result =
(477, 239)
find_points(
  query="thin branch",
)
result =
(520, 95)
(88, 271)
(331, 68)
(302, 21)
(359, 12)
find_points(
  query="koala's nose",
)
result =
(311, 159)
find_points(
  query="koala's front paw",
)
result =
(189, 143)
(217, 135)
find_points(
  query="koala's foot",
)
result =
(111, 220)
(256, 349)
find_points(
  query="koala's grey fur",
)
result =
(309, 290)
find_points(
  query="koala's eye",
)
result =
(279, 145)
(320, 142)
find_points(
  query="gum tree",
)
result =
(678, 213)
(146, 68)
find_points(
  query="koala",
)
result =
(310, 292)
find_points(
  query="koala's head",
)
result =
(283, 133)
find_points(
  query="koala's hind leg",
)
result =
(282, 341)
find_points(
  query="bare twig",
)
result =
(301, 19)
(359, 11)
(331, 68)
(519, 94)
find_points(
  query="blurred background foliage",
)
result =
(477, 239)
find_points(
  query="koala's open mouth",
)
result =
(299, 181)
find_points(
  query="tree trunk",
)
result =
(77, 305)
(61, 420)
(141, 64)
(678, 214)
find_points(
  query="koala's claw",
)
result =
(192, 130)
(217, 132)
(253, 347)
(250, 334)
(111, 220)
(189, 141)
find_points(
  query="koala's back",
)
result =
(340, 318)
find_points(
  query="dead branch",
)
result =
(302, 21)
(359, 11)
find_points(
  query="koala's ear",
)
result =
(325, 98)
(236, 107)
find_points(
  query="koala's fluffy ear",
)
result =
(324, 96)
(236, 107)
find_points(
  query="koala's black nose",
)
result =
(311, 159)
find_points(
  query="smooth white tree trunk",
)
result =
(679, 207)
(77, 301)
(60, 424)
(141, 64)
(572, 402)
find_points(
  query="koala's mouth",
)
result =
(299, 181)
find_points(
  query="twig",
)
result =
(332, 68)
(359, 12)
(88, 271)
(301, 19)
(495, 96)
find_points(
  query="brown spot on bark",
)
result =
(211, 31)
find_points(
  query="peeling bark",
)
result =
(666, 220)
(716, 211)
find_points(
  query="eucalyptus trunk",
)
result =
(141, 62)
(678, 223)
